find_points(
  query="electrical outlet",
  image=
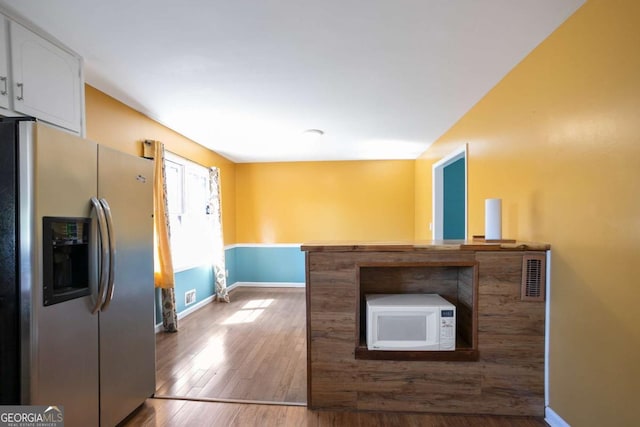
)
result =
(190, 297)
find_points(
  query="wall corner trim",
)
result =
(553, 419)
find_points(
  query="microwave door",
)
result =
(404, 330)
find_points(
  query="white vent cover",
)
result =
(533, 277)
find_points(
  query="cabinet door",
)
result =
(46, 80)
(4, 65)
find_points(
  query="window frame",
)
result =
(189, 247)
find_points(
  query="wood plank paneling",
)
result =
(509, 338)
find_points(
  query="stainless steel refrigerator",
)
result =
(76, 275)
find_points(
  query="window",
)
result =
(191, 226)
(175, 185)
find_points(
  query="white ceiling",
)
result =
(382, 78)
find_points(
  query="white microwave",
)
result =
(410, 322)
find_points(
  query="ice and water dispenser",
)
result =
(65, 258)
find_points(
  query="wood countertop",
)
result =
(421, 246)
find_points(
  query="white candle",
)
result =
(493, 219)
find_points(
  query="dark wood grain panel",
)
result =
(526, 351)
(443, 275)
(500, 266)
(338, 298)
(442, 377)
(466, 283)
(423, 246)
(485, 285)
(331, 321)
(408, 280)
(467, 307)
(465, 327)
(461, 354)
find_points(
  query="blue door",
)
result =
(453, 200)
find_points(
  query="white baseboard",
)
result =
(263, 245)
(187, 311)
(269, 284)
(184, 313)
(553, 419)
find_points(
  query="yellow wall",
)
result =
(114, 124)
(559, 141)
(278, 202)
(303, 201)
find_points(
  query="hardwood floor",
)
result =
(251, 349)
(254, 349)
(178, 413)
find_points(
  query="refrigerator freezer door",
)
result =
(9, 301)
(64, 355)
(127, 339)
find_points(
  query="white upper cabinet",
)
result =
(4, 65)
(47, 81)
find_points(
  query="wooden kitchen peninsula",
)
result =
(498, 290)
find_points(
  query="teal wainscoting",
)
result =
(247, 264)
(267, 264)
(198, 278)
(230, 261)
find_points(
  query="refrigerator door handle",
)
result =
(112, 255)
(104, 254)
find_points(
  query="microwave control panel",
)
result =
(447, 330)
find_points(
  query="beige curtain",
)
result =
(215, 212)
(163, 264)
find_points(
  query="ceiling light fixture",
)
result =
(313, 132)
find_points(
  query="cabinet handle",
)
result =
(21, 87)
(3, 92)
